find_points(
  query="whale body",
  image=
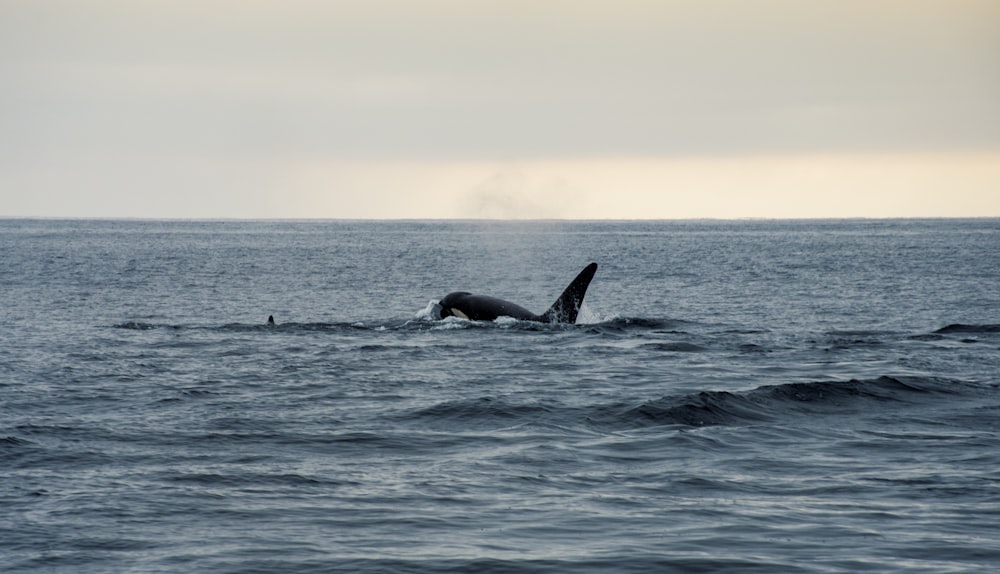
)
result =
(465, 305)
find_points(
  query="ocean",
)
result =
(736, 396)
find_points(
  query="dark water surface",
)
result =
(817, 396)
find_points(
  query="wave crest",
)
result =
(772, 402)
(963, 328)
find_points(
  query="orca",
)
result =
(270, 319)
(465, 305)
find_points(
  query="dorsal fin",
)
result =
(567, 306)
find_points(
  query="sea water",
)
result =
(769, 396)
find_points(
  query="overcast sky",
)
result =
(400, 108)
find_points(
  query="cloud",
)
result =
(108, 97)
(513, 79)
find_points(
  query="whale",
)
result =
(465, 305)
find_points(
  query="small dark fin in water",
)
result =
(270, 319)
(567, 306)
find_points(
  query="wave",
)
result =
(245, 479)
(139, 326)
(767, 403)
(482, 410)
(422, 323)
(675, 347)
(962, 328)
(772, 402)
(616, 326)
(252, 327)
(13, 441)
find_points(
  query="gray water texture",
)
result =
(736, 396)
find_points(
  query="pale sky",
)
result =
(502, 109)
